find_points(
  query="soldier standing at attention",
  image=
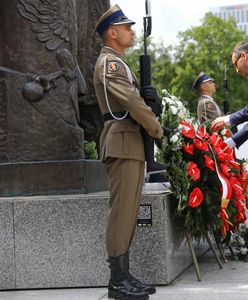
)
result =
(207, 108)
(122, 150)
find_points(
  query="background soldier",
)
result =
(207, 108)
(122, 147)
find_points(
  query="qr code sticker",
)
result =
(145, 212)
(145, 216)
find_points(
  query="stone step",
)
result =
(59, 241)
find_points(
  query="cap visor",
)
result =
(125, 21)
(209, 79)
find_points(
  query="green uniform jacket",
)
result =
(122, 138)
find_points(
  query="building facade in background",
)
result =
(239, 12)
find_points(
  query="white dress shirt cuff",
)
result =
(230, 142)
(227, 120)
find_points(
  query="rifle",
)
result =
(155, 104)
(225, 102)
(234, 129)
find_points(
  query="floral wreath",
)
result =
(209, 185)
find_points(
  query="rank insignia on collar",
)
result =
(113, 66)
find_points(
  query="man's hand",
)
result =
(218, 124)
(149, 93)
(152, 99)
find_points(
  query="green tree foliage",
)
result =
(90, 150)
(207, 48)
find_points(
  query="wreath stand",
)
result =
(197, 270)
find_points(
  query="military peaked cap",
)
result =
(113, 16)
(202, 77)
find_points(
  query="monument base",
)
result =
(52, 178)
(59, 241)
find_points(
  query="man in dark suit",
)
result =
(240, 62)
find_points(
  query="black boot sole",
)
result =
(151, 291)
(116, 295)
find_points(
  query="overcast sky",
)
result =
(170, 17)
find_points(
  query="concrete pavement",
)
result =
(229, 283)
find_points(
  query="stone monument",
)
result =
(41, 83)
(89, 46)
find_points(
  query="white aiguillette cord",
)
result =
(129, 74)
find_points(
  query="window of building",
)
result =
(237, 16)
(242, 16)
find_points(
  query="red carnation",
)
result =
(195, 197)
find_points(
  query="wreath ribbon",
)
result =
(226, 191)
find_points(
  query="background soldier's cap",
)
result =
(113, 16)
(202, 77)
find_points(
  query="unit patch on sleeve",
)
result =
(113, 66)
(210, 106)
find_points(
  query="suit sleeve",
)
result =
(241, 136)
(128, 96)
(239, 117)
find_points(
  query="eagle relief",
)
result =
(40, 80)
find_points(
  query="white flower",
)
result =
(243, 250)
(164, 91)
(173, 110)
(246, 223)
(180, 127)
(242, 228)
(189, 120)
(196, 126)
(174, 138)
(174, 98)
(179, 103)
(182, 112)
(169, 101)
(241, 241)
(223, 132)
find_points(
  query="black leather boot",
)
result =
(120, 285)
(149, 288)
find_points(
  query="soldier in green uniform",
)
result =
(121, 145)
(207, 108)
